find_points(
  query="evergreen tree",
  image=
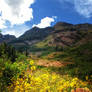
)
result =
(26, 52)
(8, 52)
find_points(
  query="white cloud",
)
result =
(84, 7)
(10, 32)
(2, 22)
(16, 11)
(16, 30)
(45, 22)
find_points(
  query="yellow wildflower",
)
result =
(31, 62)
(86, 77)
(33, 68)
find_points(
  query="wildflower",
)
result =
(45, 76)
(33, 68)
(54, 77)
(46, 82)
(31, 62)
(86, 77)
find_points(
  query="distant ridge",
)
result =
(6, 38)
(61, 34)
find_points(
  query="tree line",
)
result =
(8, 52)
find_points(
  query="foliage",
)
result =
(8, 52)
(44, 81)
(18, 74)
(9, 71)
(79, 56)
(12, 64)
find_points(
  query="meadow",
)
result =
(21, 73)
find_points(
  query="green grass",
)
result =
(9, 70)
(81, 56)
(44, 42)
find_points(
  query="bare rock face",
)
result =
(66, 34)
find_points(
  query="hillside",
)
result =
(31, 37)
(62, 42)
(6, 38)
(66, 35)
(53, 59)
(62, 34)
(69, 43)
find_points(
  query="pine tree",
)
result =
(26, 52)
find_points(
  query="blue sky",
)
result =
(18, 16)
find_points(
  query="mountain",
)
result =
(61, 34)
(62, 25)
(63, 42)
(65, 34)
(68, 43)
(6, 38)
(36, 34)
(31, 37)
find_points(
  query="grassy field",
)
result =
(54, 70)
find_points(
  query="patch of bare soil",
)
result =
(81, 90)
(47, 63)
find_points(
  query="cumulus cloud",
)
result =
(15, 11)
(45, 22)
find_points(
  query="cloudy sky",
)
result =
(18, 16)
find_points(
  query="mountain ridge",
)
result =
(6, 38)
(61, 34)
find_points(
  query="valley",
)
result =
(52, 59)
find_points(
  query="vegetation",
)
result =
(12, 64)
(80, 57)
(44, 81)
(8, 52)
(58, 61)
(24, 75)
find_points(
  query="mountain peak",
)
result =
(35, 27)
(62, 25)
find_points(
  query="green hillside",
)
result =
(54, 59)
